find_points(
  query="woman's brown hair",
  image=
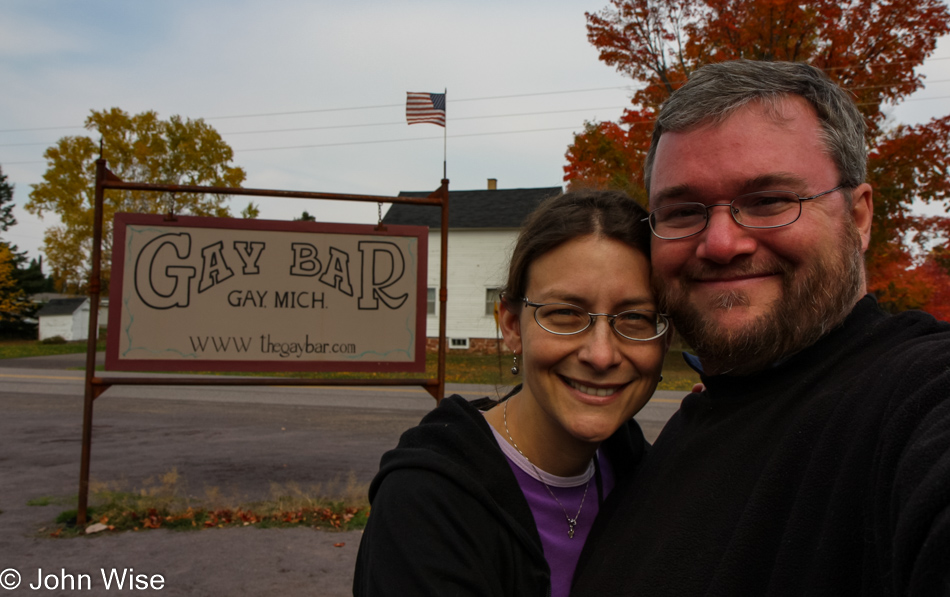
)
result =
(610, 214)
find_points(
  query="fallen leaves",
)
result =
(332, 518)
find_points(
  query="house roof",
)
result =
(45, 297)
(66, 306)
(501, 208)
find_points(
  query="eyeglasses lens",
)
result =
(679, 220)
(569, 319)
(767, 209)
(638, 325)
(562, 319)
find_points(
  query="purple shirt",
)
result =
(560, 551)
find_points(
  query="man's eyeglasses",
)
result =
(564, 319)
(763, 209)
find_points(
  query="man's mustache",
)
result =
(709, 272)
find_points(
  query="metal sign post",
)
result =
(96, 385)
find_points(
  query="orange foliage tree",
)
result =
(870, 47)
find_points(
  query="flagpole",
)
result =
(445, 136)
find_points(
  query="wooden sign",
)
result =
(222, 294)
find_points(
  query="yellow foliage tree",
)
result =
(12, 300)
(140, 148)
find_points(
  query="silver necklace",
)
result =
(571, 522)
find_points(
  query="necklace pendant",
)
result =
(570, 528)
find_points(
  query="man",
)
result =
(817, 459)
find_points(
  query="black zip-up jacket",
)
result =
(448, 517)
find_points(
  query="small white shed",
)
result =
(66, 317)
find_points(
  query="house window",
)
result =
(458, 343)
(430, 301)
(492, 297)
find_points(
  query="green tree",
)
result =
(17, 279)
(13, 303)
(31, 279)
(7, 219)
(140, 148)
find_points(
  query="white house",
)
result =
(66, 317)
(483, 227)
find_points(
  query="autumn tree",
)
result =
(870, 47)
(13, 300)
(140, 148)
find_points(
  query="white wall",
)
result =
(103, 313)
(56, 325)
(478, 259)
(81, 322)
(71, 327)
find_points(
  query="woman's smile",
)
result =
(592, 389)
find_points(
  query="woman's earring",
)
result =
(661, 377)
(514, 368)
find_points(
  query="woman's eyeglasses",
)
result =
(565, 319)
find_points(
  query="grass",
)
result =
(164, 504)
(47, 500)
(460, 368)
(15, 349)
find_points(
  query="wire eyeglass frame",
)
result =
(735, 211)
(662, 320)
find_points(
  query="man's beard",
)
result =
(814, 299)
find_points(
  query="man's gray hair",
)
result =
(714, 92)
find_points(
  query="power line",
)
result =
(356, 108)
(923, 99)
(414, 138)
(402, 122)
(399, 122)
(453, 100)
(563, 128)
(476, 99)
(22, 144)
(41, 128)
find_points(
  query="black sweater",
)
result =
(449, 518)
(826, 475)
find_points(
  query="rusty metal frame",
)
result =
(96, 385)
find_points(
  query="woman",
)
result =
(500, 502)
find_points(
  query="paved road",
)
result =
(242, 443)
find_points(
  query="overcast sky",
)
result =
(311, 93)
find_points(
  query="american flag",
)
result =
(425, 107)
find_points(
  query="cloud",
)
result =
(219, 58)
(22, 36)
